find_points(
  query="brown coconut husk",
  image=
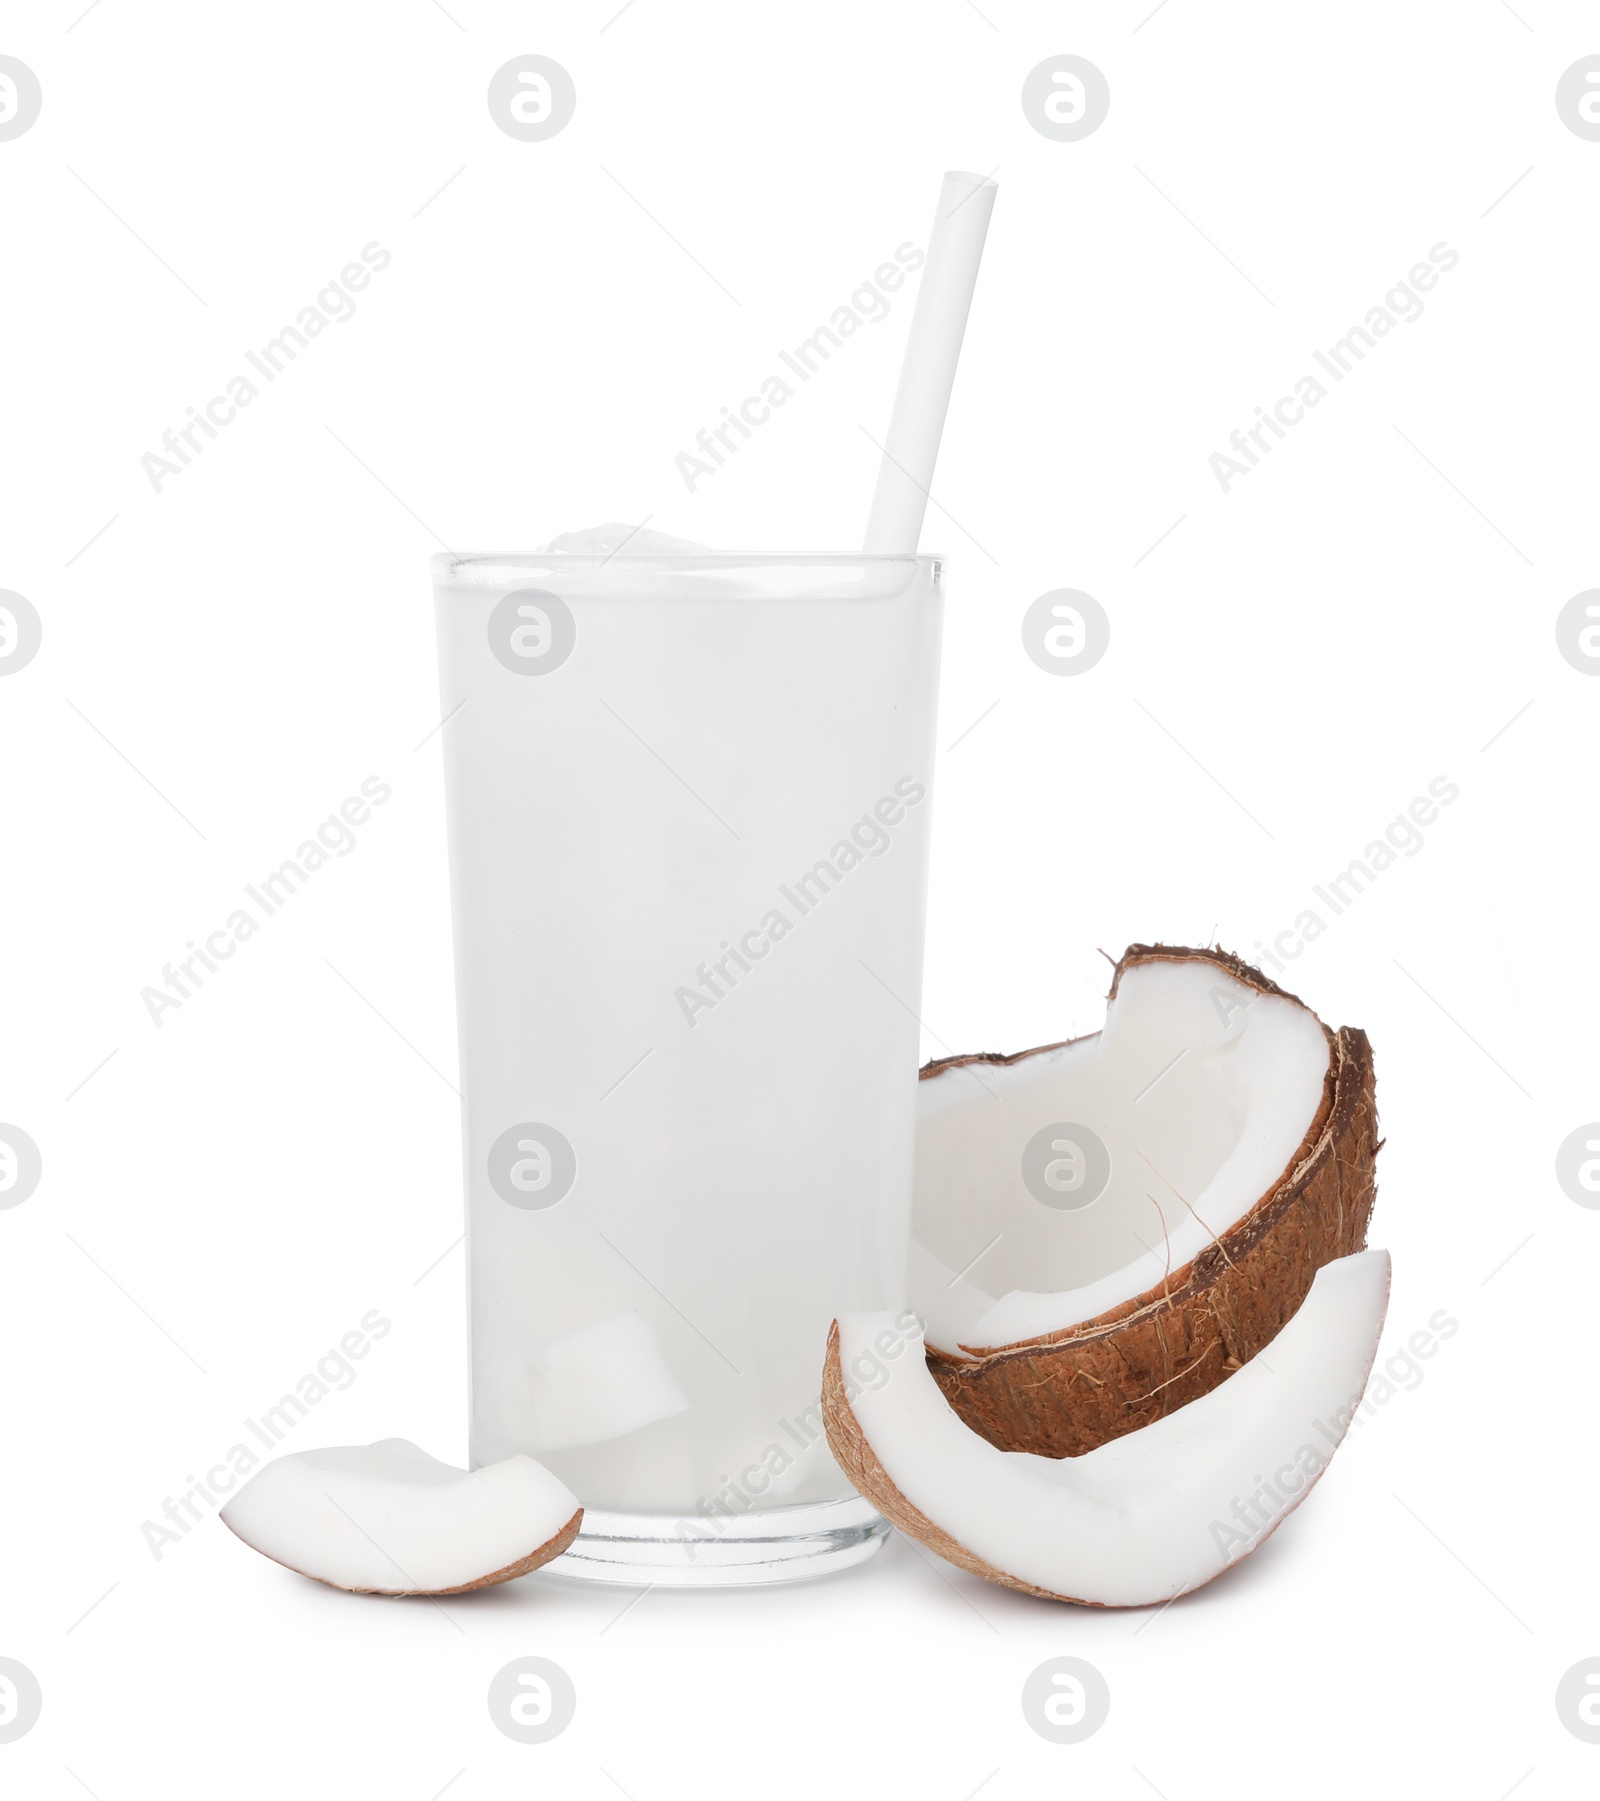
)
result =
(1069, 1391)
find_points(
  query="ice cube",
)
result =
(598, 1382)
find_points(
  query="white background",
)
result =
(229, 658)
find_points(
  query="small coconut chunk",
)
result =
(388, 1519)
(1142, 1519)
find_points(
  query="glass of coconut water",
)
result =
(688, 805)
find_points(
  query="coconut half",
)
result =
(1149, 1517)
(1106, 1229)
(388, 1519)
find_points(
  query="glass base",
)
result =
(787, 1544)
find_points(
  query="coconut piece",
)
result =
(1241, 1136)
(388, 1519)
(1149, 1517)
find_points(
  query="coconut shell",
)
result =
(1067, 1392)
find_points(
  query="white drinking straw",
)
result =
(929, 370)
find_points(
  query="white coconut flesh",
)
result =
(1202, 1090)
(1152, 1514)
(388, 1519)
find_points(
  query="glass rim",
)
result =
(449, 562)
